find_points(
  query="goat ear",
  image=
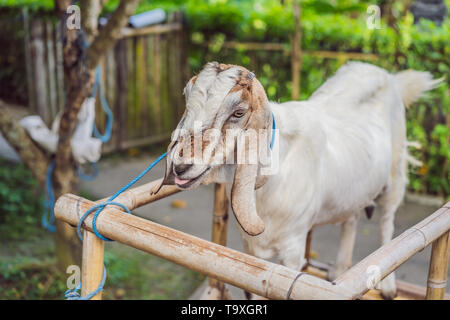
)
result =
(169, 178)
(260, 181)
(246, 179)
(243, 199)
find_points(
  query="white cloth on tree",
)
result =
(84, 146)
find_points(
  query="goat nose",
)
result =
(182, 168)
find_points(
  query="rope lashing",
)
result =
(73, 294)
(48, 216)
(272, 140)
(99, 206)
(102, 205)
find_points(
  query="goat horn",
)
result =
(243, 199)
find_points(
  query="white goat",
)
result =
(339, 152)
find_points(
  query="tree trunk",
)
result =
(296, 56)
(32, 156)
(79, 65)
(80, 62)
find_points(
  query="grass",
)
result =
(32, 273)
(28, 265)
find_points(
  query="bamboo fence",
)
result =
(252, 274)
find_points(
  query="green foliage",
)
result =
(131, 274)
(338, 25)
(30, 278)
(31, 4)
(28, 267)
(20, 202)
(424, 46)
(163, 279)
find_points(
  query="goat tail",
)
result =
(413, 84)
(409, 158)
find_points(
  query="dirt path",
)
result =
(196, 217)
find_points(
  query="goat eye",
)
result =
(239, 113)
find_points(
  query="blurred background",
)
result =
(291, 48)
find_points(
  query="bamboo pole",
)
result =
(111, 93)
(341, 55)
(143, 85)
(393, 254)
(296, 56)
(220, 218)
(165, 106)
(28, 61)
(156, 72)
(122, 87)
(276, 46)
(437, 275)
(131, 94)
(139, 196)
(256, 275)
(92, 264)
(250, 273)
(216, 289)
(59, 67)
(39, 69)
(51, 70)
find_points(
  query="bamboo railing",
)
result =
(242, 270)
(252, 274)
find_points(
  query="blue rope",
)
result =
(73, 293)
(109, 115)
(273, 131)
(99, 206)
(90, 177)
(102, 205)
(48, 217)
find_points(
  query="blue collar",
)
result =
(273, 132)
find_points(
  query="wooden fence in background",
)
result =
(142, 76)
